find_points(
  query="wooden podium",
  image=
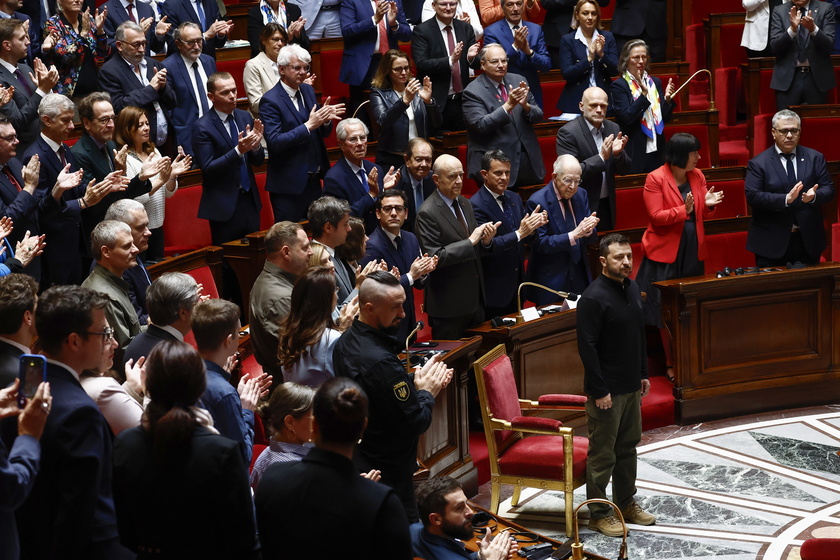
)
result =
(756, 342)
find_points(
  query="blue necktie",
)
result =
(200, 11)
(244, 179)
(418, 196)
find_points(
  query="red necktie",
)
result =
(503, 92)
(383, 33)
(456, 68)
(130, 9)
(11, 177)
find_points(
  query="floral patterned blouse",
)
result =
(75, 56)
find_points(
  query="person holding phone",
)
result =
(19, 466)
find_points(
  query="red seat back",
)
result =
(331, 86)
(502, 396)
(820, 549)
(182, 230)
(266, 212)
(236, 69)
(734, 201)
(822, 132)
(551, 95)
(204, 276)
(630, 208)
(728, 249)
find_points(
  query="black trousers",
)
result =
(802, 91)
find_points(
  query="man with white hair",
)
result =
(115, 252)
(558, 255)
(133, 213)
(295, 128)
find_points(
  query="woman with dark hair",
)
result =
(641, 107)
(133, 130)
(261, 74)
(289, 416)
(325, 485)
(307, 335)
(354, 247)
(181, 490)
(285, 14)
(674, 243)
(402, 107)
(588, 56)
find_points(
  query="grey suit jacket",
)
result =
(818, 47)
(489, 126)
(454, 287)
(22, 110)
(575, 138)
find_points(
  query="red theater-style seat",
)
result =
(236, 69)
(728, 249)
(183, 231)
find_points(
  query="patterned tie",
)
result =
(456, 68)
(508, 212)
(503, 92)
(202, 92)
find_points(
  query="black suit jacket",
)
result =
(633, 18)
(71, 505)
(558, 19)
(404, 184)
(117, 78)
(138, 281)
(144, 342)
(9, 364)
(390, 114)
(95, 166)
(574, 138)
(23, 208)
(22, 110)
(256, 25)
(432, 59)
(818, 47)
(117, 15)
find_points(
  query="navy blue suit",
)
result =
(359, 33)
(553, 256)
(144, 342)
(341, 182)
(519, 62)
(504, 267)
(379, 247)
(766, 186)
(138, 282)
(117, 15)
(23, 209)
(289, 140)
(577, 70)
(117, 78)
(628, 114)
(179, 11)
(22, 110)
(18, 469)
(404, 184)
(232, 211)
(185, 113)
(62, 263)
(70, 511)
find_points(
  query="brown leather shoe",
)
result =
(609, 526)
(635, 514)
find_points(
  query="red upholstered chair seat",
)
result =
(727, 249)
(820, 549)
(183, 231)
(542, 457)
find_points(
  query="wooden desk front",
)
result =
(751, 343)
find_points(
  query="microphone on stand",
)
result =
(519, 318)
(419, 326)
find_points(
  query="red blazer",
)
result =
(666, 214)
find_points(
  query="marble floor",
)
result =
(749, 488)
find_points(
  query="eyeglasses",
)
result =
(639, 57)
(388, 209)
(136, 44)
(297, 68)
(356, 140)
(446, 4)
(106, 120)
(569, 181)
(786, 131)
(107, 334)
(192, 42)
(9, 138)
(497, 61)
(399, 69)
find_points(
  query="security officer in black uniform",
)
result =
(400, 408)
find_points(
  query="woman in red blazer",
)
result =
(674, 243)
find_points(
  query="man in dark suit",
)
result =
(187, 71)
(59, 179)
(295, 128)
(22, 110)
(802, 38)
(329, 222)
(171, 299)
(436, 46)
(447, 229)
(500, 112)
(70, 512)
(504, 267)
(599, 147)
(206, 14)
(416, 178)
(642, 19)
(558, 255)
(559, 15)
(226, 145)
(18, 294)
(133, 213)
(94, 153)
(399, 248)
(132, 78)
(354, 178)
(786, 186)
(368, 34)
(138, 12)
(524, 44)
(9, 10)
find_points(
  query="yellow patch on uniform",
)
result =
(401, 391)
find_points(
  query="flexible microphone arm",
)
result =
(711, 87)
(519, 318)
(417, 327)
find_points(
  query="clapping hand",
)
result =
(713, 198)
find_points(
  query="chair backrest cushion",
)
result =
(502, 397)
